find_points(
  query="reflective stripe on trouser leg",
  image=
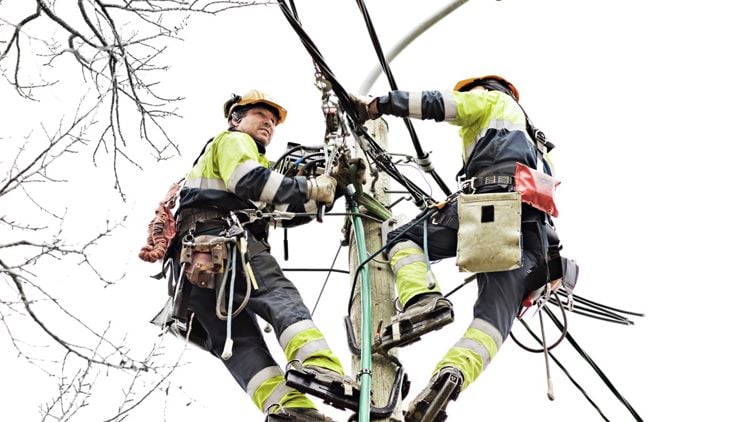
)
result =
(474, 351)
(268, 388)
(304, 342)
(408, 263)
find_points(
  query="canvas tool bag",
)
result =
(489, 232)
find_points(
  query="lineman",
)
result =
(494, 135)
(232, 174)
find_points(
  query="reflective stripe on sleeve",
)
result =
(240, 172)
(449, 102)
(271, 187)
(415, 105)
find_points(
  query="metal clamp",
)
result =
(467, 186)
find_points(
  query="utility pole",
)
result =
(381, 286)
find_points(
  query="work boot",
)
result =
(421, 306)
(430, 403)
(423, 314)
(334, 389)
(297, 414)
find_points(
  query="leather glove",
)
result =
(322, 189)
(366, 107)
(344, 177)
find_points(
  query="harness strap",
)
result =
(189, 217)
(472, 185)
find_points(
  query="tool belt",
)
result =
(537, 188)
(503, 182)
(190, 217)
(205, 219)
(205, 255)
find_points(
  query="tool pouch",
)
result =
(205, 257)
(536, 188)
(489, 232)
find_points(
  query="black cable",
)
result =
(591, 302)
(555, 344)
(317, 57)
(326, 280)
(565, 371)
(421, 155)
(594, 366)
(333, 270)
(296, 148)
(379, 155)
(382, 159)
(466, 281)
(594, 312)
(294, 9)
(425, 214)
(374, 150)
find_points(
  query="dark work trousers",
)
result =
(500, 293)
(277, 301)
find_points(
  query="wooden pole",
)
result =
(382, 289)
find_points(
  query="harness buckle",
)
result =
(467, 186)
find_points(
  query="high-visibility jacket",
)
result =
(493, 131)
(492, 125)
(233, 173)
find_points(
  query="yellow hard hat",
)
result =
(466, 82)
(253, 97)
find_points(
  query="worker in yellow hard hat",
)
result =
(231, 175)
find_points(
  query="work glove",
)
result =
(344, 177)
(322, 189)
(366, 108)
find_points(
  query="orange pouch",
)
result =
(536, 188)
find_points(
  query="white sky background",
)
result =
(646, 103)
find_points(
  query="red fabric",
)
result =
(536, 188)
(162, 229)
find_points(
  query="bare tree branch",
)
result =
(112, 54)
